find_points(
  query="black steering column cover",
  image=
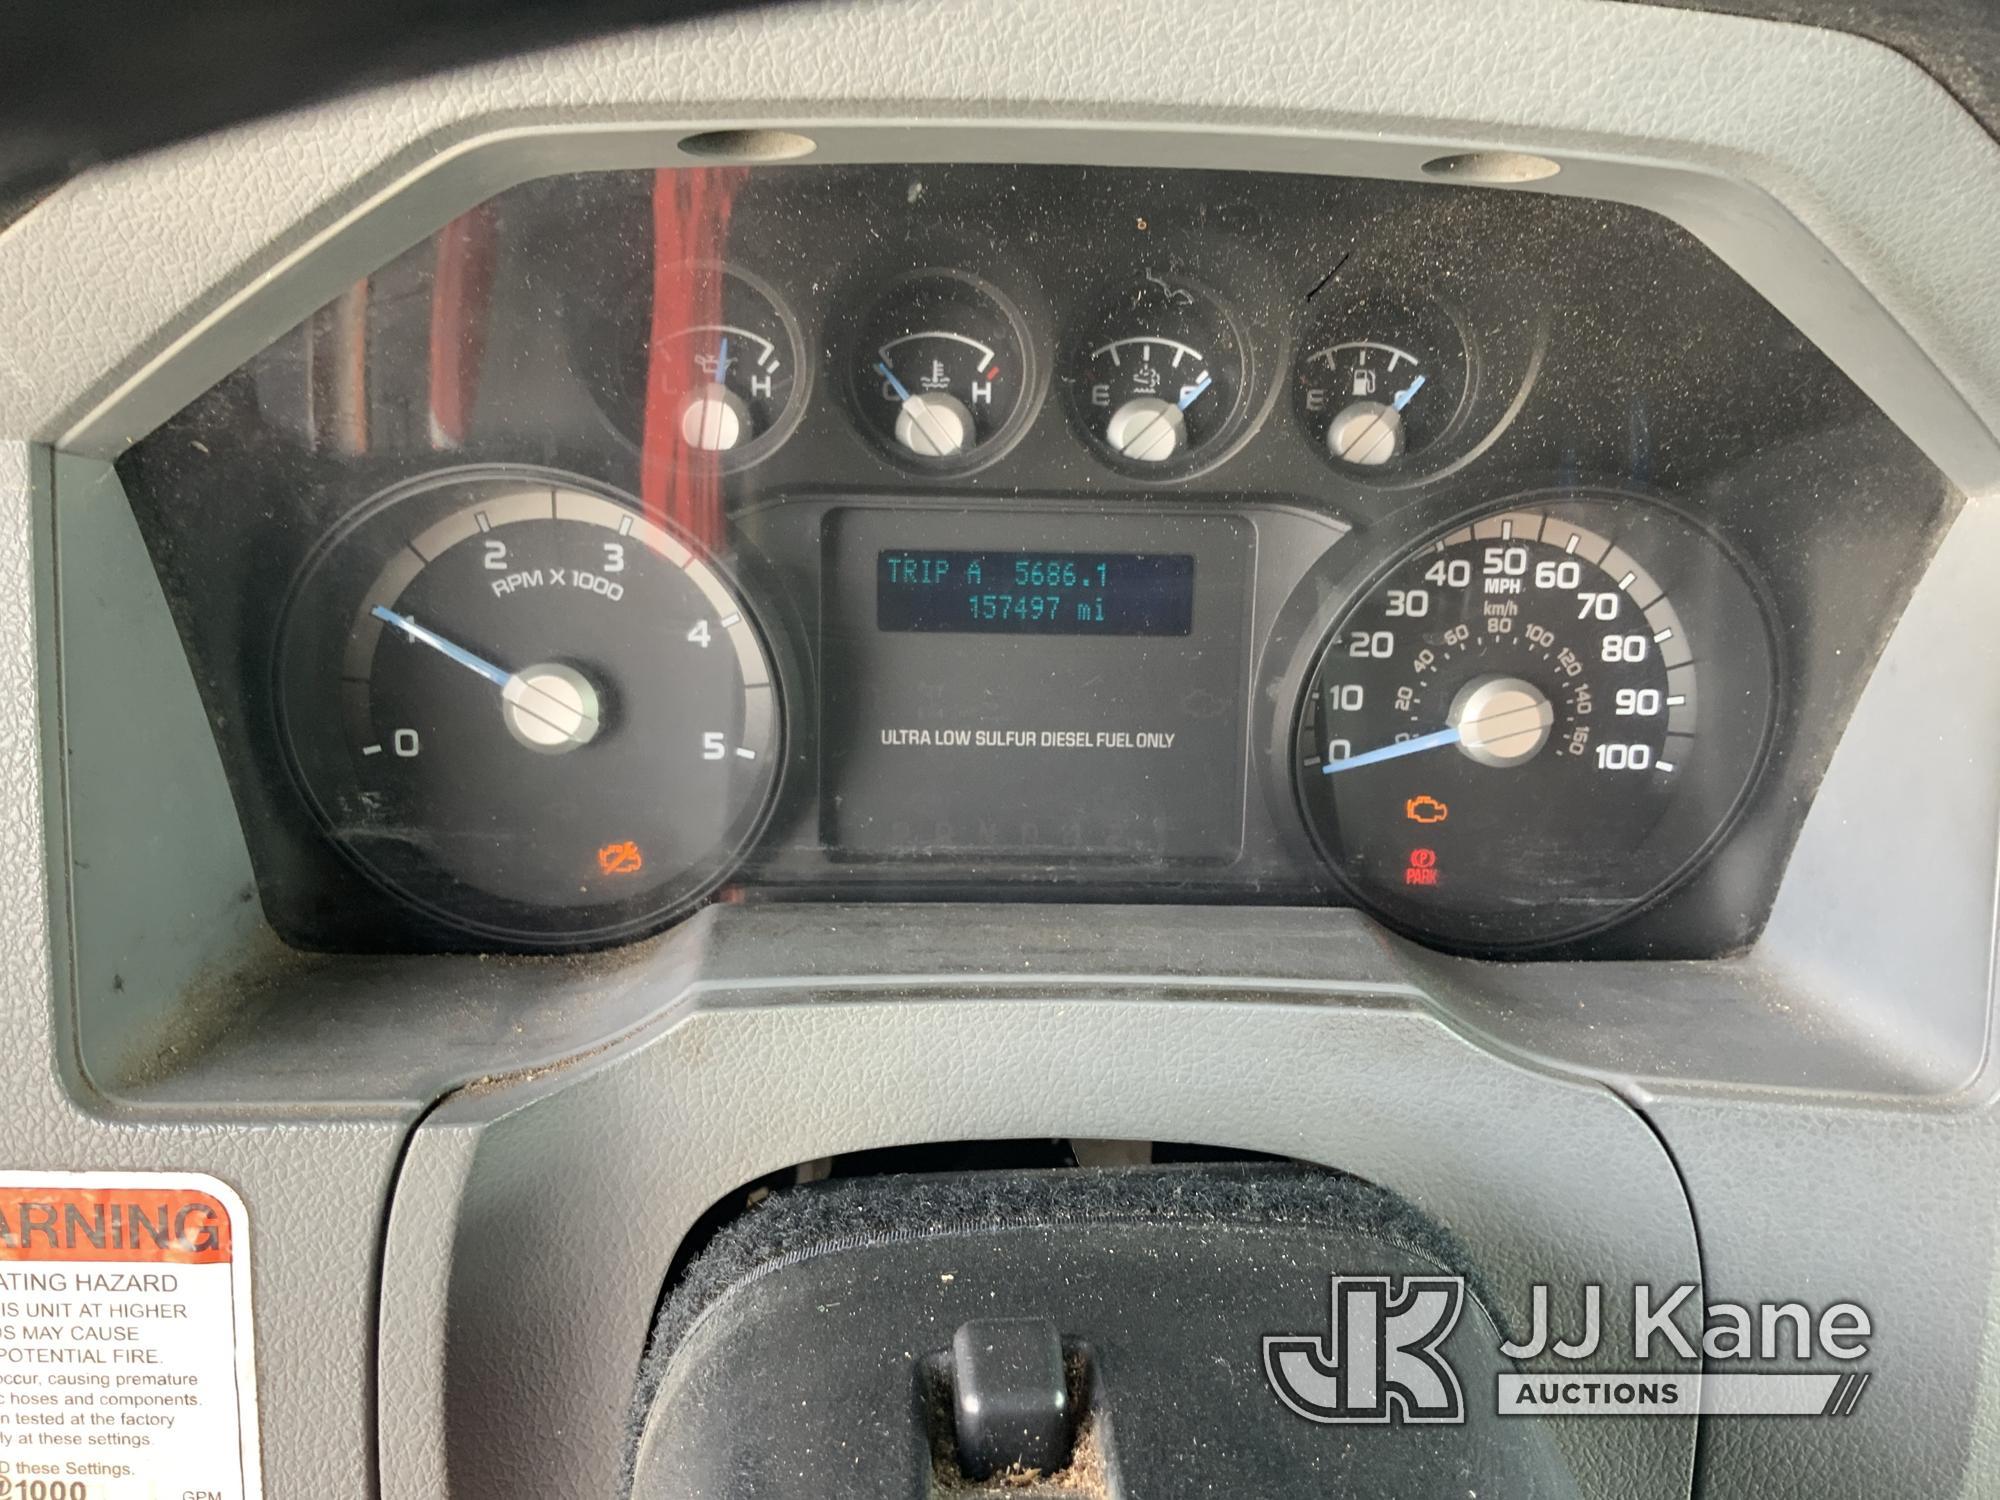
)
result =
(806, 1352)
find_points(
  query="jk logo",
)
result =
(1380, 1362)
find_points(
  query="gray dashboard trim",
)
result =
(547, 1212)
(316, 1188)
(1837, 178)
(123, 672)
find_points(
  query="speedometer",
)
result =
(1534, 723)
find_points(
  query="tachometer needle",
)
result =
(1422, 742)
(549, 706)
(436, 642)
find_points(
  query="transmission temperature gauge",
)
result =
(1159, 381)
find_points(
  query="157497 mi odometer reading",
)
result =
(1506, 739)
(1034, 593)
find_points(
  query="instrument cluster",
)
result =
(945, 364)
(1027, 533)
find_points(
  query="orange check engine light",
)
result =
(620, 859)
(1425, 809)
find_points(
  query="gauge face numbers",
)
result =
(1509, 740)
(939, 370)
(1380, 381)
(527, 709)
(1159, 382)
(721, 383)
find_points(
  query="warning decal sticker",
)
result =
(126, 1362)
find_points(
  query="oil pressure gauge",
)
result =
(736, 367)
(720, 381)
(1158, 383)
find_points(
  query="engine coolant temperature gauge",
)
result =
(1159, 382)
(939, 370)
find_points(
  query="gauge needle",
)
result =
(1349, 443)
(722, 361)
(1162, 431)
(919, 411)
(567, 722)
(1422, 742)
(438, 643)
(902, 391)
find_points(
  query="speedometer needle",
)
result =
(1496, 721)
(1422, 742)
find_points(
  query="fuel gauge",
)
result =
(1381, 380)
(1160, 379)
(940, 368)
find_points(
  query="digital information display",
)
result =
(1034, 593)
(1014, 682)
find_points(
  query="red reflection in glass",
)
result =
(690, 227)
(461, 304)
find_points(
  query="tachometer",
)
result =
(1533, 723)
(527, 708)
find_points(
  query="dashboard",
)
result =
(647, 538)
(690, 712)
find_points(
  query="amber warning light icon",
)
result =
(1425, 809)
(621, 858)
